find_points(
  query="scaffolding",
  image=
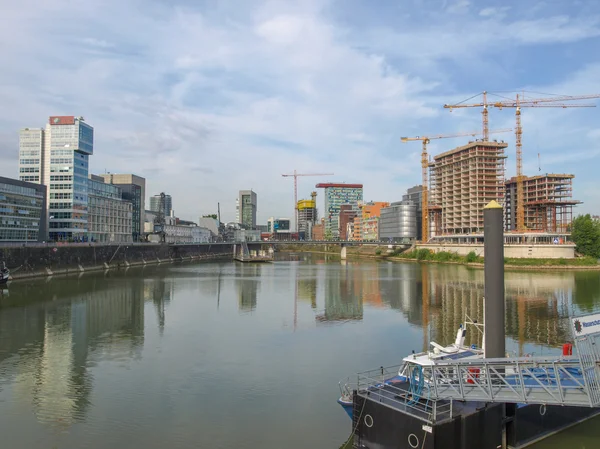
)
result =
(548, 202)
(463, 181)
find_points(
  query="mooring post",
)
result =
(493, 252)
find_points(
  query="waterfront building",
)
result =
(212, 224)
(109, 215)
(366, 223)
(307, 217)
(348, 215)
(463, 181)
(133, 188)
(245, 209)
(398, 222)
(155, 204)
(547, 202)
(337, 194)
(279, 228)
(415, 195)
(175, 231)
(22, 211)
(57, 156)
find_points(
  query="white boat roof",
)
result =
(429, 358)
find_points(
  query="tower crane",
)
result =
(557, 101)
(424, 167)
(295, 175)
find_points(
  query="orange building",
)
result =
(366, 225)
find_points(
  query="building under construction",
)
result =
(463, 181)
(547, 201)
(307, 215)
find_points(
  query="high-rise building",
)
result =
(155, 204)
(335, 196)
(22, 211)
(245, 209)
(133, 188)
(463, 181)
(109, 215)
(57, 157)
(307, 217)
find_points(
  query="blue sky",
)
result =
(204, 98)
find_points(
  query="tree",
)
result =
(586, 235)
(210, 216)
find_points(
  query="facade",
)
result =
(247, 235)
(176, 233)
(348, 215)
(109, 215)
(212, 224)
(155, 204)
(463, 182)
(318, 231)
(307, 217)
(22, 211)
(337, 194)
(548, 203)
(245, 209)
(279, 228)
(366, 224)
(133, 188)
(415, 195)
(398, 223)
(58, 157)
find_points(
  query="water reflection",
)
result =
(47, 348)
(247, 283)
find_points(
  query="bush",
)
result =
(424, 254)
(471, 257)
(378, 252)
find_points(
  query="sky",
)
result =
(207, 97)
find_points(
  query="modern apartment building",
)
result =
(57, 157)
(366, 224)
(155, 204)
(22, 211)
(109, 215)
(337, 194)
(245, 209)
(133, 188)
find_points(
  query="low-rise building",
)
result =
(248, 235)
(280, 229)
(22, 211)
(176, 232)
(109, 215)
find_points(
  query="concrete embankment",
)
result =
(48, 260)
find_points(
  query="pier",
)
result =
(241, 253)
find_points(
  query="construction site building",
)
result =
(307, 217)
(547, 201)
(463, 181)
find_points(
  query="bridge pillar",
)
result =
(343, 253)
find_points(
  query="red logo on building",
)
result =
(62, 120)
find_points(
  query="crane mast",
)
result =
(295, 176)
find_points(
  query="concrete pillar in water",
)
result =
(343, 253)
(493, 247)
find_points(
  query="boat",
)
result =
(4, 274)
(410, 377)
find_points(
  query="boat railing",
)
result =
(378, 385)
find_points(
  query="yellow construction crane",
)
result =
(295, 175)
(521, 102)
(424, 168)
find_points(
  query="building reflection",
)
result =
(247, 282)
(159, 292)
(343, 299)
(47, 347)
(538, 305)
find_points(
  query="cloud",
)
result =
(221, 96)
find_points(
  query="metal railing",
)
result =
(375, 385)
(559, 381)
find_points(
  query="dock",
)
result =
(241, 253)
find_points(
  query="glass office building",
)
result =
(337, 194)
(245, 213)
(57, 157)
(22, 211)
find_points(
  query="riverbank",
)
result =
(470, 260)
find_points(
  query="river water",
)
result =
(240, 356)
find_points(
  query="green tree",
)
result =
(328, 235)
(210, 216)
(586, 235)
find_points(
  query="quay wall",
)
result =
(537, 251)
(35, 260)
